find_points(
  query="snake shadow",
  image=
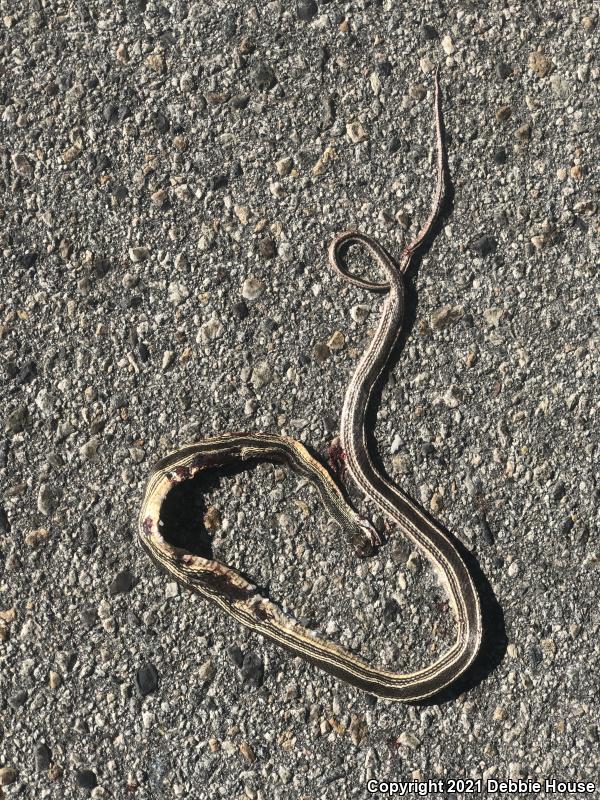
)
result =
(494, 640)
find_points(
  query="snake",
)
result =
(237, 595)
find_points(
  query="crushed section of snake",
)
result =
(240, 598)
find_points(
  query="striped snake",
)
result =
(241, 599)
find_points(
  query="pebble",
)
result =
(43, 757)
(209, 331)
(4, 523)
(86, 779)
(360, 312)
(336, 341)
(493, 316)
(171, 589)
(540, 64)
(235, 655)
(71, 154)
(253, 670)
(503, 113)
(523, 132)
(503, 70)
(484, 246)
(46, 500)
(17, 699)
(123, 582)
(446, 316)
(321, 352)
(247, 752)
(8, 775)
(356, 133)
(261, 376)
(263, 77)
(22, 164)
(207, 671)
(138, 254)
(306, 9)
(17, 420)
(284, 166)
(428, 32)
(252, 288)
(452, 397)
(266, 247)
(240, 310)
(409, 740)
(448, 45)
(212, 519)
(146, 679)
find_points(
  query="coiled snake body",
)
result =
(240, 598)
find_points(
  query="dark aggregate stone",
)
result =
(240, 101)
(264, 77)
(28, 259)
(500, 156)
(503, 70)
(266, 247)
(391, 609)
(89, 617)
(218, 182)
(428, 33)
(143, 352)
(566, 526)
(253, 670)
(17, 419)
(535, 656)
(306, 9)
(484, 246)
(147, 679)
(235, 655)
(559, 491)
(4, 523)
(18, 699)
(240, 310)
(43, 757)
(122, 583)
(486, 531)
(27, 372)
(394, 144)
(86, 779)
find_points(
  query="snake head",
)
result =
(367, 540)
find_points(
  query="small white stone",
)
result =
(177, 292)
(448, 45)
(493, 316)
(396, 444)
(408, 739)
(171, 589)
(137, 254)
(252, 288)
(209, 331)
(452, 397)
(284, 166)
(355, 132)
(207, 671)
(147, 719)
(360, 312)
(261, 375)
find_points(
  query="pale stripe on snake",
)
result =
(240, 598)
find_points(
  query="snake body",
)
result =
(240, 598)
